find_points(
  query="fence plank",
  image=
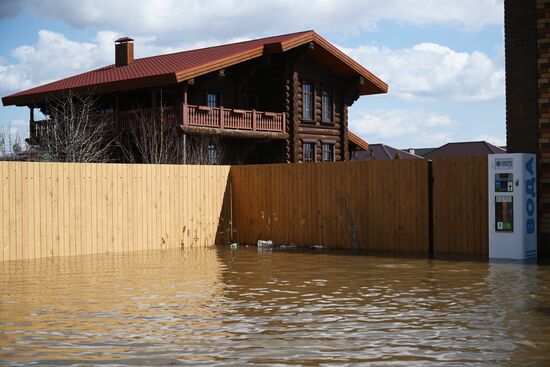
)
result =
(460, 206)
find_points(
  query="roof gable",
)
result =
(180, 66)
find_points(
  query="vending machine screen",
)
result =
(504, 182)
(504, 213)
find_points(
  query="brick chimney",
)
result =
(124, 51)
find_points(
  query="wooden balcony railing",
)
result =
(198, 116)
(228, 118)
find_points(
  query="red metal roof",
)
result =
(357, 141)
(180, 66)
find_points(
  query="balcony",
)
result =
(237, 119)
(195, 119)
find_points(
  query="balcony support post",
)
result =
(116, 123)
(184, 107)
(221, 117)
(32, 125)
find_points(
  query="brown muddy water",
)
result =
(222, 307)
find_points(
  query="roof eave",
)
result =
(120, 85)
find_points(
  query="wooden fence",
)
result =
(460, 206)
(374, 205)
(56, 209)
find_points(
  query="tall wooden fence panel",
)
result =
(372, 205)
(57, 209)
(460, 206)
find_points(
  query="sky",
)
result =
(442, 59)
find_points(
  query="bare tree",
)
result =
(152, 136)
(76, 131)
(12, 146)
(205, 149)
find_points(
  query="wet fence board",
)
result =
(369, 205)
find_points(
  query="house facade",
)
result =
(271, 100)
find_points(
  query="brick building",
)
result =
(527, 47)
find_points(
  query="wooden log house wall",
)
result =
(276, 82)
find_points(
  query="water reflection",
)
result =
(217, 306)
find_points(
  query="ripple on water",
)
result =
(221, 307)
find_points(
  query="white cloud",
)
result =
(191, 19)
(495, 140)
(404, 128)
(54, 56)
(432, 71)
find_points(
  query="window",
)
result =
(309, 152)
(307, 90)
(328, 152)
(212, 156)
(212, 99)
(326, 105)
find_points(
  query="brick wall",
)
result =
(543, 60)
(527, 47)
(521, 75)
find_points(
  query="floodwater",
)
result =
(222, 307)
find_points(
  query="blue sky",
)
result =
(443, 60)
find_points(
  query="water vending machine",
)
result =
(512, 206)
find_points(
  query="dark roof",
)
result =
(382, 152)
(362, 144)
(464, 149)
(181, 66)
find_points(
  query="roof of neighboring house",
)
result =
(357, 141)
(464, 149)
(181, 66)
(382, 152)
